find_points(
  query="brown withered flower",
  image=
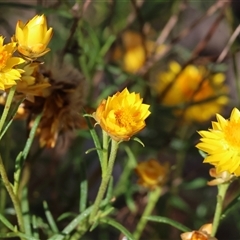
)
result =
(61, 104)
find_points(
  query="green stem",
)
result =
(152, 200)
(222, 189)
(13, 197)
(7, 107)
(105, 180)
(105, 153)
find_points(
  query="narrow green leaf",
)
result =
(83, 187)
(107, 45)
(203, 154)
(75, 222)
(31, 136)
(26, 212)
(232, 207)
(17, 172)
(35, 227)
(118, 226)
(84, 67)
(94, 149)
(88, 115)
(50, 218)
(194, 184)
(138, 140)
(9, 119)
(131, 163)
(66, 215)
(17, 234)
(168, 221)
(95, 139)
(6, 222)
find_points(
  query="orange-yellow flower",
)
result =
(151, 173)
(8, 74)
(33, 37)
(204, 233)
(134, 51)
(122, 115)
(222, 143)
(200, 93)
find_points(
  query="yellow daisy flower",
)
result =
(122, 115)
(222, 143)
(194, 88)
(8, 74)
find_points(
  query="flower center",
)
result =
(198, 236)
(4, 56)
(232, 134)
(123, 118)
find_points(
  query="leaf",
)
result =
(95, 139)
(233, 206)
(6, 222)
(83, 188)
(94, 149)
(35, 227)
(75, 222)
(195, 184)
(138, 140)
(168, 221)
(179, 203)
(17, 234)
(26, 212)
(66, 215)
(50, 218)
(203, 154)
(31, 136)
(118, 226)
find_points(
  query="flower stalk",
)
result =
(222, 189)
(14, 198)
(106, 174)
(7, 107)
(152, 200)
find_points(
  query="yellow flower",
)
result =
(32, 82)
(33, 37)
(201, 93)
(222, 143)
(204, 233)
(134, 51)
(8, 75)
(152, 173)
(122, 115)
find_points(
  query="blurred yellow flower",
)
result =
(122, 115)
(33, 37)
(222, 143)
(134, 51)
(204, 233)
(152, 173)
(8, 74)
(32, 82)
(194, 88)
